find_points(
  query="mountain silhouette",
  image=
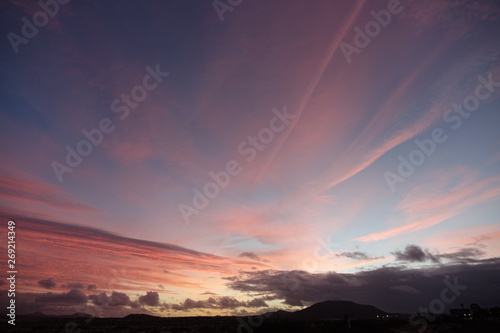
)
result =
(141, 317)
(319, 311)
(43, 315)
(332, 310)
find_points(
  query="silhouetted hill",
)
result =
(34, 315)
(331, 310)
(318, 318)
(79, 315)
(43, 315)
(141, 317)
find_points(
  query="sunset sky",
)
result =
(186, 158)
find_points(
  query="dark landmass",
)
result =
(329, 316)
(333, 310)
(41, 315)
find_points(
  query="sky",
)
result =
(234, 157)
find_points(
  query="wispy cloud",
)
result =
(437, 201)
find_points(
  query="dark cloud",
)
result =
(49, 303)
(91, 287)
(223, 302)
(72, 296)
(48, 284)
(468, 254)
(252, 256)
(356, 255)
(99, 299)
(258, 303)
(227, 302)
(190, 304)
(412, 253)
(74, 301)
(479, 241)
(293, 302)
(135, 304)
(117, 304)
(381, 287)
(152, 298)
(405, 289)
(119, 299)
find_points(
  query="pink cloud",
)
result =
(439, 200)
(69, 254)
